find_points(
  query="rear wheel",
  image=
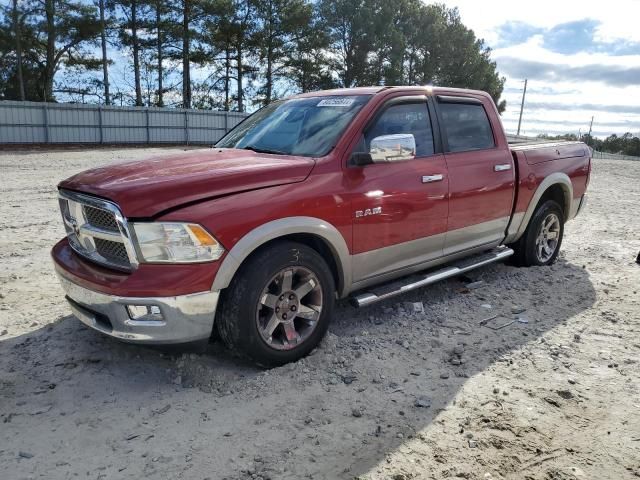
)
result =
(541, 241)
(279, 304)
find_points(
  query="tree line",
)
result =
(232, 54)
(626, 144)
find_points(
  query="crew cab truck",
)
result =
(365, 192)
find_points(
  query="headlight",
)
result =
(160, 242)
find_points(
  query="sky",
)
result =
(581, 59)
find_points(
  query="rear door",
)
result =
(400, 207)
(481, 173)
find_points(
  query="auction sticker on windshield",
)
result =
(337, 102)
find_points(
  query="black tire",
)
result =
(237, 318)
(526, 248)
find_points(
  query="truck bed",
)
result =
(538, 152)
(532, 144)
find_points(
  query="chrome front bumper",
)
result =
(185, 318)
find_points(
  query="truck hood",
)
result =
(147, 187)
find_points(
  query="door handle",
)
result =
(502, 167)
(432, 178)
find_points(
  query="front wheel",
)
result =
(279, 304)
(541, 241)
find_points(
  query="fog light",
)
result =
(145, 312)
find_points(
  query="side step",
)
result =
(420, 280)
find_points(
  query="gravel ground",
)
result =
(390, 394)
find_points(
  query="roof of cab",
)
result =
(374, 90)
(454, 91)
(342, 91)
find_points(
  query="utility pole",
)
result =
(522, 106)
(590, 127)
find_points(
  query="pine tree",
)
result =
(66, 29)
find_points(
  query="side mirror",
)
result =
(360, 159)
(393, 148)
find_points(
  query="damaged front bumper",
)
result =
(171, 320)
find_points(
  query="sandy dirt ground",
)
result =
(390, 394)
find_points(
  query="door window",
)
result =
(410, 118)
(467, 126)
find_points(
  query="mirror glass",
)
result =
(393, 148)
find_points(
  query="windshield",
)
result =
(300, 126)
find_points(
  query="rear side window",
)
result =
(467, 126)
(410, 118)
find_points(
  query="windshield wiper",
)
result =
(264, 150)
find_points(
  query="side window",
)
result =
(467, 126)
(410, 118)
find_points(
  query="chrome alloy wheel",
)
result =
(290, 307)
(548, 236)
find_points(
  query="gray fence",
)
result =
(614, 156)
(60, 123)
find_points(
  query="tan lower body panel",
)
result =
(397, 260)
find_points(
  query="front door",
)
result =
(399, 207)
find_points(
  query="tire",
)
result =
(528, 249)
(283, 279)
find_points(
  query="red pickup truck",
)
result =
(365, 192)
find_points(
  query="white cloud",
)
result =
(619, 19)
(533, 49)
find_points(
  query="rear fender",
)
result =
(520, 221)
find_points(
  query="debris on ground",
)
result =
(414, 307)
(475, 285)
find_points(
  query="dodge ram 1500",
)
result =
(364, 193)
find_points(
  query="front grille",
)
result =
(115, 252)
(100, 218)
(97, 231)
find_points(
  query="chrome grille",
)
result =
(97, 230)
(112, 251)
(100, 218)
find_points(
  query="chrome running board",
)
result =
(421, 280)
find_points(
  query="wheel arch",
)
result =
(313, 232)
(556, 186)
